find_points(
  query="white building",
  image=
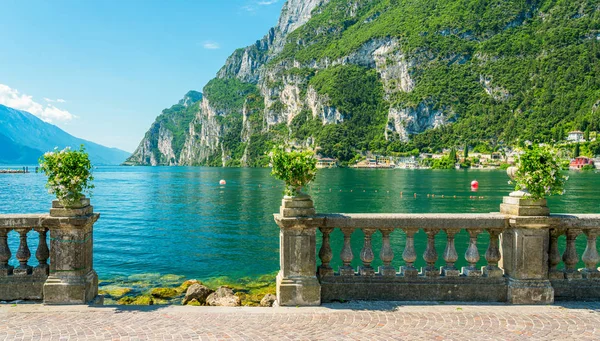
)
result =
(575, 136)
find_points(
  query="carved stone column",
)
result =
(525, 248)
(297, 283)
(72, 278)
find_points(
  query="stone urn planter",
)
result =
(519, 203)
(71, 209)
(298, 205)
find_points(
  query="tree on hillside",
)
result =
(576, 152)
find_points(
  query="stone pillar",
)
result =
(72, 279)
(297, 283)
(525, 250)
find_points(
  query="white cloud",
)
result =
(211, 45)
(252, 7)
(48, 112)
(59, 100)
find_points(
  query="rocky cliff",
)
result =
(389, 76)
(162, 144)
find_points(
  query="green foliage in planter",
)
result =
(69, 174)
(539, 173)
(295, 168)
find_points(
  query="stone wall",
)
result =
(522, 257)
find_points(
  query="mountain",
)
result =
(24, 138)
(392, 76)
(163, 143)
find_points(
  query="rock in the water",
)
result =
(268, 300)
(223, 297)
(198, 292)
(185, 285)
(140, 300)
(164, 292)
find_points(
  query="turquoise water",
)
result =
(181, 221)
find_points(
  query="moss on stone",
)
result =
(194, 302)
(185, 285)
(140, 300)
(114, 291)
(164, 292)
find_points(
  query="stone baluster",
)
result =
(472, 256)
(430, 255)
(42, 254)
(23, 254)
(325, 253)
(590, 255)
(492, 256)
(554, 257)
(450, 255)
(346, 254)
(386, 254)
(570, 257)
(409, 255)
(366, 254)
(5, 254)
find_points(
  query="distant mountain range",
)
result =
(24, 138)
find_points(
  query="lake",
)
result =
(181, 221)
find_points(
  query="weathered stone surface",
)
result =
(223, 297)
(268, 300)
(419, 288)
(530, 292)
(198, 292)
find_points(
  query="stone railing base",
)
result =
(304, 291)
(71, 290)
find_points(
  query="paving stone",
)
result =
(339, 321)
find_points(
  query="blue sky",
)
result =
(104, 69)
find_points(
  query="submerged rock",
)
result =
(164, 292)
(140, 300)
(114, 291)
(223, 297)
(268, 300)
(198, 292)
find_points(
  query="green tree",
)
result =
(586, 134)
(576, 151)
(466, 153)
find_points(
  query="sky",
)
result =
(103, 70)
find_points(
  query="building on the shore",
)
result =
(327, 163)
(580, 162)
(575, 136)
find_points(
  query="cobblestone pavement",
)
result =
(355, 320)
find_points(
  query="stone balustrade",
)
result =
(521, 261)
(64, 273)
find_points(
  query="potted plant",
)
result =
(69, 175)
(537, 174)
(295, 168)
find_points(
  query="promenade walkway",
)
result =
(355, 320)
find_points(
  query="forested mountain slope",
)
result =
(390, 76)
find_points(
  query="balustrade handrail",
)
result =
(442, 220)
(39, 220)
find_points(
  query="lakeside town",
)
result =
(500, 157)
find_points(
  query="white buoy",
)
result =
(222, 182)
